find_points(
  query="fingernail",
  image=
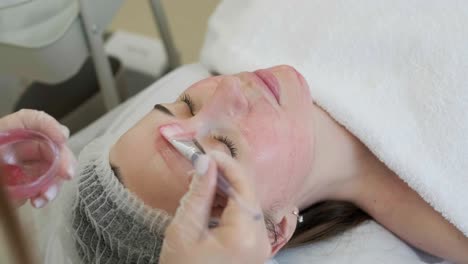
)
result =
(39, 202)
(65, 131)
(72, 168)
(202, 164)
(51, 193)
(169, 131)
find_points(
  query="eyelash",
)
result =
(229, 143)
(223, 139)
(188, 100)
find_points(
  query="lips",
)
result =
(270, 82)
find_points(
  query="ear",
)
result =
(285, 229)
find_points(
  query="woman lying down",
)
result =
(313, 178)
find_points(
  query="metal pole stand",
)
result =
(161, 22)
(101, 63)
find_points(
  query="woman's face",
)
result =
(263, 119)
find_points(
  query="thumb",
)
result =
(194, 210)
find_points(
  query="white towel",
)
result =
(395, 73)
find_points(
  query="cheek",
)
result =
(263, 132)
(301, 148)
(271, 158)
(281, 153)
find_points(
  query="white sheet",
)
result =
(368, 243)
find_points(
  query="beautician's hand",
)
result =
(238, 238)
(47, 125)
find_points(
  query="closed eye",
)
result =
(188, 100)
(223, 139)
(229, 144)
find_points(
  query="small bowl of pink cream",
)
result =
(29, 161)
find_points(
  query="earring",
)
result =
(300, 218)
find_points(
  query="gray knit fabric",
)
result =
(110, 224)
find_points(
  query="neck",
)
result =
(339, 163)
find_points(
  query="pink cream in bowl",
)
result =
(28, 162)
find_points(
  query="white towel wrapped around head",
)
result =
(394, 73)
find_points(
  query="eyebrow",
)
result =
(163, 109)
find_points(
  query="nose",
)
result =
(227, 102)
(226, 105)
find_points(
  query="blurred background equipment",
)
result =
(77, 59)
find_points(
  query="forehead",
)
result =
(205, 87)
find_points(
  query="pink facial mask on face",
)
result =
(190, 149)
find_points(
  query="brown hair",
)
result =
(326, 219)
(12, 229)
